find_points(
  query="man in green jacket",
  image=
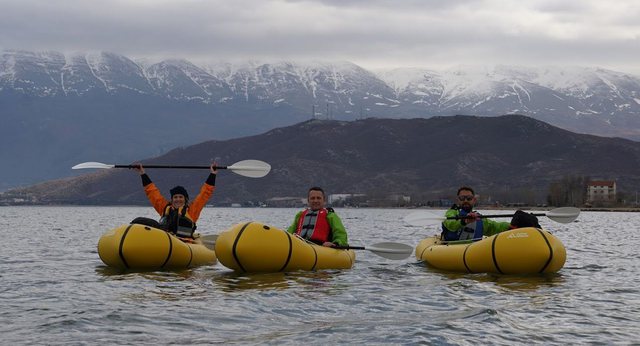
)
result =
(470, 225)
(318, 224)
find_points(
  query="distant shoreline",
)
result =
(621, 209)
(480, 207)
(525, 208)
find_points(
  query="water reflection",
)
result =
(524, 282)
(55, 289)
(231, 281)
(531, 282)
(159, 275)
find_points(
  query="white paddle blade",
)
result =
(394, 251)
(423, 218)
(564, 214)
(209, 240)
(98, 165)
(251, 168)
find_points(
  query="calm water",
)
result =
(55, 290)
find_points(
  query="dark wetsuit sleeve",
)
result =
(211, 180)
(145, 179)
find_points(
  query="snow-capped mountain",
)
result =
(344, 86)
(343, 90)
(543, 92)
(79, 106)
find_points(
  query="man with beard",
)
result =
(464, 223)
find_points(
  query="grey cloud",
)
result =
(390, 4)
(376, 32)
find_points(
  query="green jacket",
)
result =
(338, 232)
(489, 227)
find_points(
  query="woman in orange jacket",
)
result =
(178, 216)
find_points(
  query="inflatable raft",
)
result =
(518, 251)
(255, 247)
(142, 247)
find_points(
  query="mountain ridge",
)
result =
(180, 79)
(427, 159)
(58, 109)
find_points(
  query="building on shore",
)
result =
(603, 191)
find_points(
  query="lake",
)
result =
(54, 289)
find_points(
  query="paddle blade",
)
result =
(564, 214)
(389, 250)
(423, 218)
(251, 168)
(98, 165)
(209, 240)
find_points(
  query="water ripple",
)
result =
(55, 290)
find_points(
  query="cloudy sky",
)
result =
(372, 33)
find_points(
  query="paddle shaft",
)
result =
(426, 218)
(394, 251)
(389, 250)
(213, 242)
(246, 168)
(168, 166)
(495, 215)
(211, 239)
(349, 247)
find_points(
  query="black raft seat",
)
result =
(147, 222)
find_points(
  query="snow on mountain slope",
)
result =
(31, 72)
(118, 73)
(566, 90)
(341, 90)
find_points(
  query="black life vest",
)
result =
(177, 221)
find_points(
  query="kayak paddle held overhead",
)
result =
(427, 218)
(246, 168)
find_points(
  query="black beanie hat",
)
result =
(179, 190)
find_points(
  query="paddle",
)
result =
(209, 240)
(389, 250)
(394, 251)
(247, 168)
(426, 218)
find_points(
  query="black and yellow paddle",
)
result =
(428, 217)
(389, 250)
(246, 168)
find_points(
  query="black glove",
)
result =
(521, 219)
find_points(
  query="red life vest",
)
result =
(316, 228)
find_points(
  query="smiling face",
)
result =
(466, 200)
(178, 201)
(316, 200)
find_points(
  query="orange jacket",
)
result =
(159, 203)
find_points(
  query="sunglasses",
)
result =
(465, 198)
